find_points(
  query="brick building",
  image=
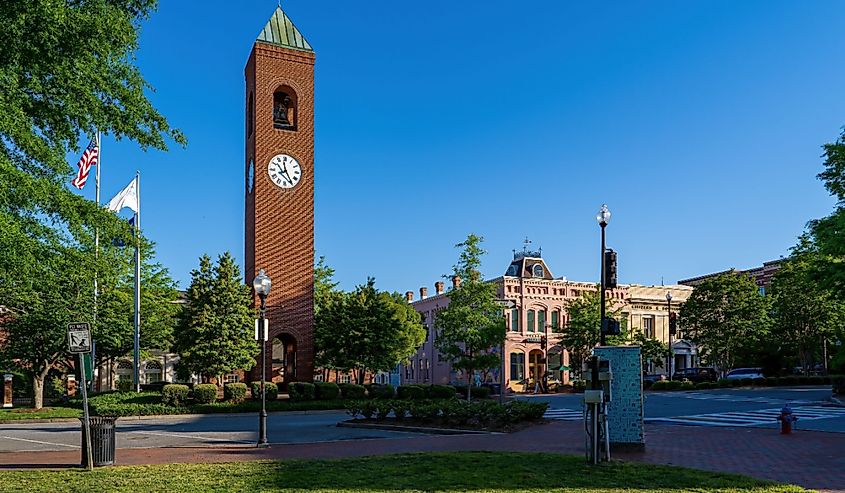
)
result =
(540, 301)
(762, 275)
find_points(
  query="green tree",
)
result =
(652, 350)
(215, 329)
(66, 71)
(726, 316)
(37, 336)
(114, 328)
(367, 330)
(582, 330)
(805, 314)
(472, 325)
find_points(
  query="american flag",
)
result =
(89, 158)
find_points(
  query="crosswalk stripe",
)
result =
(751, 418)
(564, 414)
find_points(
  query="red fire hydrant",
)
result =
(786, 419)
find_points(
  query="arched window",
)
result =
(530, 320)
(284, 108)
(152, 372)
(515, 320)
(125, 370)
(541, 321)
(538, 270)
(250, 115)
(555, 319)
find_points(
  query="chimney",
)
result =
(409, 296)
(456, 282)
(438, 287)
(423, 293)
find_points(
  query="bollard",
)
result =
(71, 385)
(7, 390)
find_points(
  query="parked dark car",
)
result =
(696, 375)
(653, 378)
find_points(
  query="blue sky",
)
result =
(698, 123)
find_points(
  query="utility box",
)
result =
(625, 409)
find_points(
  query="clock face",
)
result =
(284, 171)
(250, 176)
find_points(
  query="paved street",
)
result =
(215, 430)
(723, 407)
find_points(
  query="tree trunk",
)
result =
(37, 390)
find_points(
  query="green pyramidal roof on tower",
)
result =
(280, 31)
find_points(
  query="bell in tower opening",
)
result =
(284, 109)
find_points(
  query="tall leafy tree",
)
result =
(652, 349)
(726, 316)
(367, 330)
(215, 330)
(66, 70)
(805, 314)
(472, 325)
(582, 330)
(115, 309)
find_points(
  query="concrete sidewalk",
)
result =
(811, 459)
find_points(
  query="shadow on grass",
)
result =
(461, 471)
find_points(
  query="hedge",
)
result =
(205, 393)
(352, 391)
(326, 390)
(442, 392)
(378, 391)
(234, 392)
(476, 392)
(413, 392)
(301, 391)
(451, 412)
(269, 387)
(174, 395)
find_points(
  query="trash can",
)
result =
(102, 440)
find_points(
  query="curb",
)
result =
(167, 416)
(413, 429)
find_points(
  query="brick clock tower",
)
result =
(279, 192)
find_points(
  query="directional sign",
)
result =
(79, 337)
(508, 304)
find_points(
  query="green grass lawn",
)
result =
(462, 471)
(18, 413)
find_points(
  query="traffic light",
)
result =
(673, 323)
(542, 342)
(610, 327)
(610, 268)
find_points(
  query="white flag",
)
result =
(128, 197)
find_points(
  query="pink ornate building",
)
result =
(539, 303)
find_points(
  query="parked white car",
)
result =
(739, 373)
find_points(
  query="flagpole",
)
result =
(137, 352)
(96, 246)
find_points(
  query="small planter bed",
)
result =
(447, 414)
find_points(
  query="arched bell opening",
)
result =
(284, 359)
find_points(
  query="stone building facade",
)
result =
(539, 301)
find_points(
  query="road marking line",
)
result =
(194, 437)
(40, 442)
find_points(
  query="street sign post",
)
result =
(79, 337)
(79, 342)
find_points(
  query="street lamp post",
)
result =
(603, 217)
(669, 331)
(262, 284)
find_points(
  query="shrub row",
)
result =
(758, 382)
(475, 392)
(453, 412)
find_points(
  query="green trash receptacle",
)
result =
(102, 440)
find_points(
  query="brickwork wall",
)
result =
(280, 222)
